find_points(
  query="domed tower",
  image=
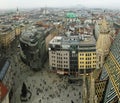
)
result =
(103, 43)
(71, 17)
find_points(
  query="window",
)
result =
(99, 58)
(94, 61)
(53, 52)
(94, 66)
(65, 62)
(99, 65)
(81, 58)
(94, 53)
(82, 54)
(53, 64)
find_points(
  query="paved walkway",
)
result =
(46, 87)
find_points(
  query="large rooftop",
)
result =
(112, 64)
(78, 40)
(33, 34)
(29, 36)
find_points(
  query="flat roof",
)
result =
(56, 40)
(82, 40)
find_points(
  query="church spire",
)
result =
(17, 12)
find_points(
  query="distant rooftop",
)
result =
(33, 34)
(71, 15)
(4, 29)
(30, 36)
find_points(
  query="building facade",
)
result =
(34, 43)
(72, 54)
(59, 59)
(7, 35)
(87, 60)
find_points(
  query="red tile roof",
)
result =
(3, 90)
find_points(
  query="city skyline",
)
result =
(11, 4)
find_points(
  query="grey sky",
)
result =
(5, 4)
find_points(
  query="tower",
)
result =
(103, 43)
(17, 12)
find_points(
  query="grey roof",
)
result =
(104, 74)
(4, 66)
(78, 40)
(115, 48)
(110, 93)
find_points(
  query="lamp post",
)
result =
(84, 88)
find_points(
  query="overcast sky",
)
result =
(6, 4)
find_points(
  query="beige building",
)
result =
(50, 36)
(87, 59)
(99, 89)
(19, 28)
(87, 55)
(59, 60)
(17, 31)
(7, 35)
(103, 43)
